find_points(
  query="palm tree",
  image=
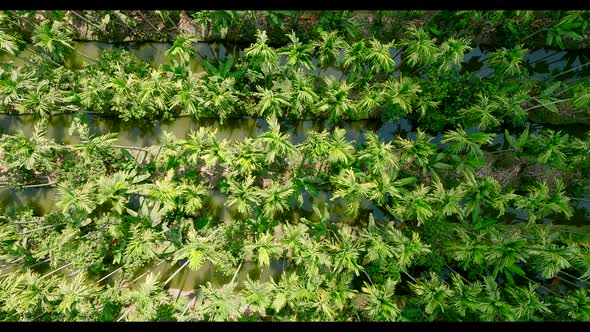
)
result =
(18, 82)
(276, 144)
(354, 58)
(144, 302)
(248, 158)
(386, 187)
(113, 190)
(182, 51)
(75, 201)
(508, 62)
(336, 101)
(465, 299)
(9, 43)
(550, 258)
(154, 92)
(449, 199)
(482, 114)
(552, 147)
(400, 94)
(371, 99)
(263, 248)
(32, 154)
(303, 183)
(379, 57)
(376, 247)
(300, 90)
(41, 101)
(186, 96)
(77, 297)
(381, 302)
(316, 147)
(242, 194)
(328, 48)
(378, 156)
(341, 150)
(469, 249)
(420, 48)
(30, 293)
(433, 293)
(298, 54)
(197, 250)
(460, 141)
(505, 252)
(288, 292)
(220, 96)
(216, 152)
(414, 205)
(203, 18)
(271, 102)
(528, 303)
(192, 197)
(258, 295)
(141, 247)
(93, 147)
(260, 55)
(539, 203)
(576, 304)
(452, 53)
(53, 38)
(193, 147)
(416, 152)
(293, 238)
(484, 190)
(346, 252)
(164, 190)
(492, 306)
(350, 186)
(511, 105)
(275, 199)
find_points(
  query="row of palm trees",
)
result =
(377, 170)
(317, 284)
(555, 27)
(270, 81)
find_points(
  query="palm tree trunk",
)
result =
(543, 105)
(54, 271)
(573, 277)
(543, 58)
(236, 273)
(110, 274)
(151, 24)
(175, 273)
(188, 306)
(87, 21)
(533, 34)
(414, 280)
(569, 70)
(86, 56)
(22, 18)
(79, 270)
(127, 311)
(43, 55)
(146, 272)
(41, 228)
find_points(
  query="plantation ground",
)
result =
(311, 175)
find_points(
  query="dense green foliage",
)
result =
(408, 229)
(429, 84)
(443, 240)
